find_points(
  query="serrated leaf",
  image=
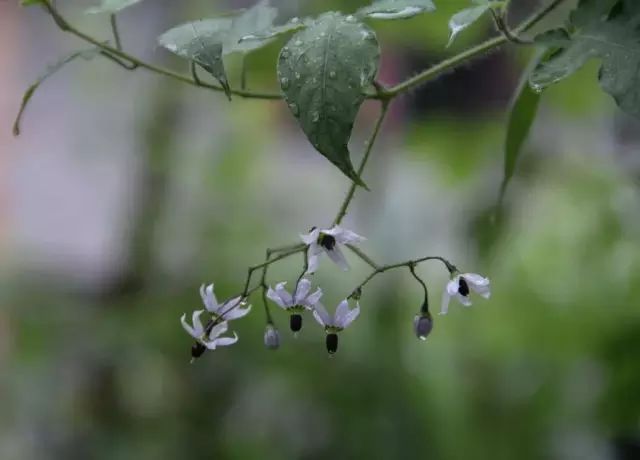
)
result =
(463, 19)
(605, 30)
(111, 6)
(521, 117)
(396, 9)
(87, 54)
(323, 72)
(201, 42)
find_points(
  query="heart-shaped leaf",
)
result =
(608, 30)
(396, 9)
(323, 72)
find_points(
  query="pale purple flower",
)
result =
(342, 318)
(302, 298)
(226, 310)
(460, 287)
(328, 240)
(212, 340)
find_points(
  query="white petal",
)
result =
(351, 316)
(446, 297)
(313, 299)
(312, 260)
(311, 237)
(484, 291)
(321, 315)
(226, 341)
(237, 312)
(284, 295)
(191, 331)
(337, 257)
(464, 300)
(273, 295)
(334, 231)
(453, 285)
(209, 298)
(475, 279)
(217, 330)
(301, 291)
(342, 310)
(344, 236)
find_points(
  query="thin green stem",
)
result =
(65, 26)
(408, 263)
(352, 190)
(471, 53)
(298, 248)
(360, 253)
(263, 285)
(425, 304)
(114, 29)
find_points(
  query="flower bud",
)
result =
(271, 337)
(332, 343)
(295, 322)
(422, 325)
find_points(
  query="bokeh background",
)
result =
(126, 191)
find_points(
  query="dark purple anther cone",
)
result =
(332, 343)
(197, 349)
(463, 287)
(295, 322)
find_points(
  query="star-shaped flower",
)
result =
(342, 318)
(461, 285)
(227, 310)
(329, 241)
(301, 300)
(212, 340)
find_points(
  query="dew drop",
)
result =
(298, 43)
(315, 116)
(294, 109)
(297, 75)
(284, 82)
(294, 20)
(332, 74)
(350, 18)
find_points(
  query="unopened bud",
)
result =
(271, 337)
(422, 325)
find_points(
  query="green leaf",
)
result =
(463, 19)
(275, 31)
(396, 9)
(601, 29)
(523, 113)
(201, 42)
(255, 20)
(111, 6)
(86, 54)
(323, 72)
(205, 42)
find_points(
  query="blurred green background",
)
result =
(126, 192)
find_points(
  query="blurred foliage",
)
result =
(546, 369)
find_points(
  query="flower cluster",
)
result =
(303, 299)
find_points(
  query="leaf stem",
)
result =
(114, 29)
(352, 190)
(471, 53)
(67, 27)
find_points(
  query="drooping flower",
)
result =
(301, 300)
(271, 337)
(329, 241)
(231, 309)
(211, 340)
(461, 286)
(342, 318)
